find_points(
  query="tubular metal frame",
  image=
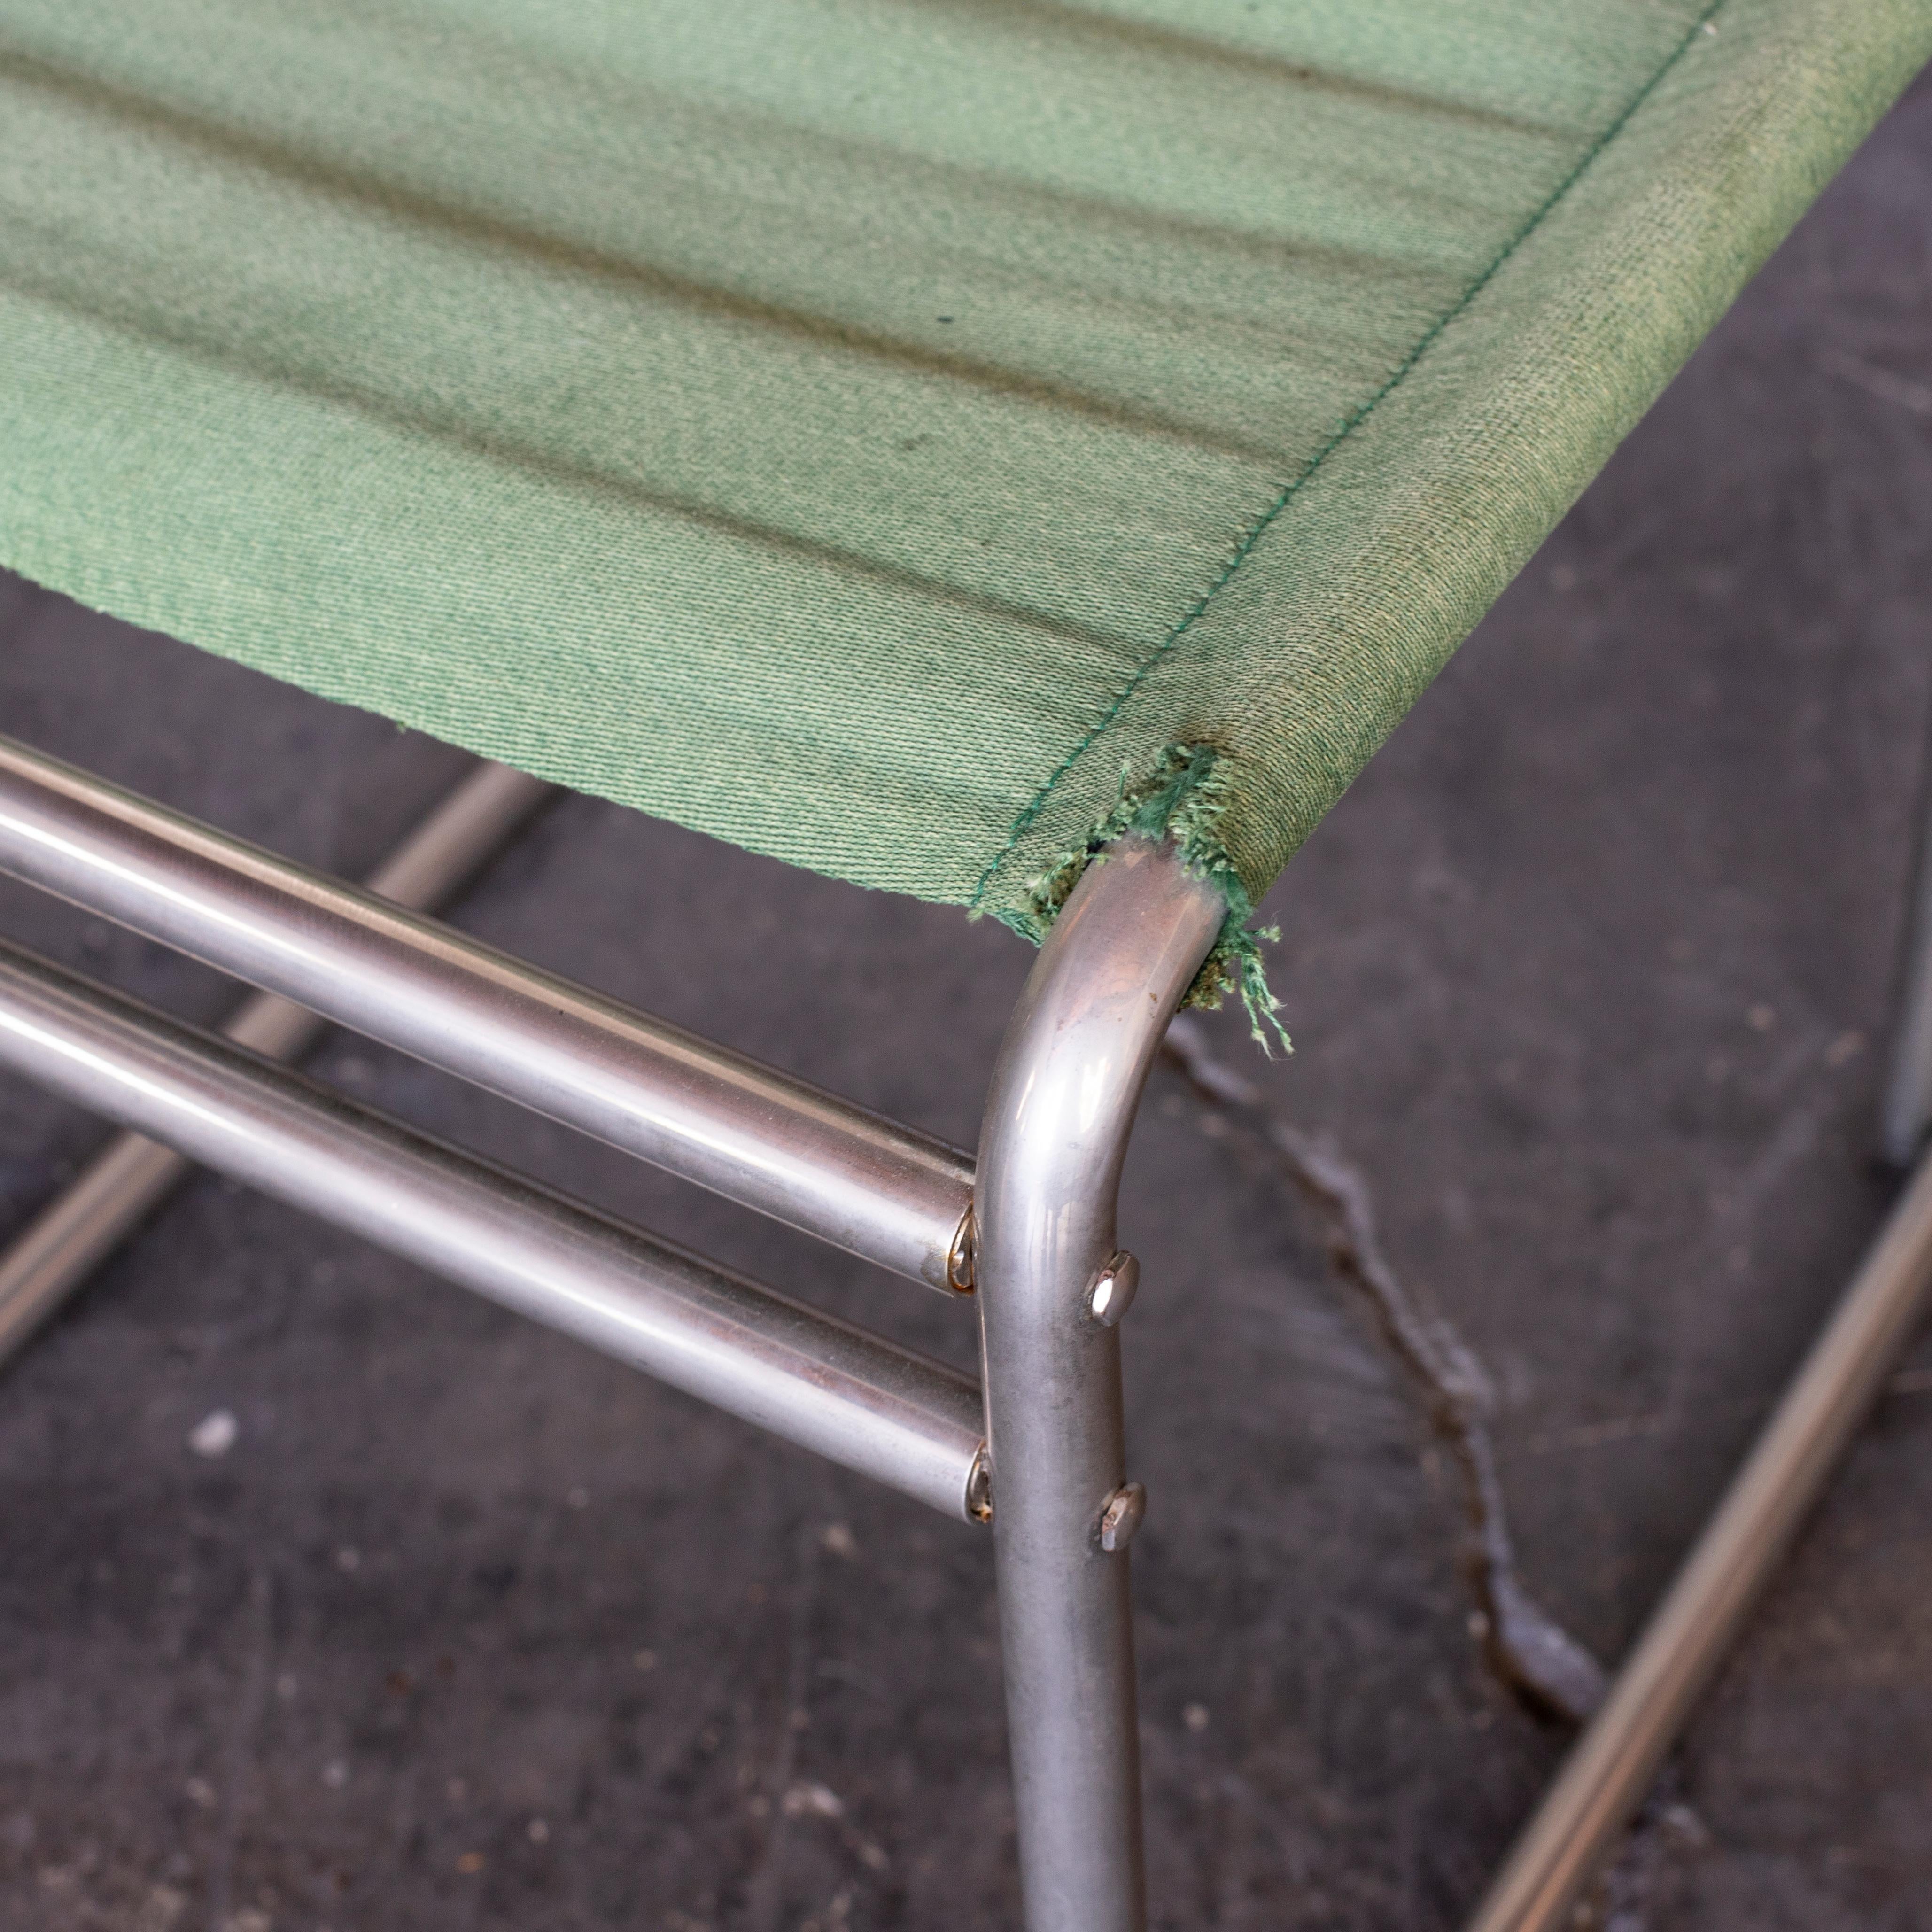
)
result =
(716, 1117)
(1064, 1094)
(1604, 1778)
(816, 1381)
(1040, 1453)
(131, 1176)
(1065, 1090)
(1905, 1113)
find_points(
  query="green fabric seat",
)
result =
(886, 434)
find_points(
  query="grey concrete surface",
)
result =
(1590, 977)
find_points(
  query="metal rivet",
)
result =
(960, 1257)
(1111, 1292)
(979, 1487)
(1122, 1516)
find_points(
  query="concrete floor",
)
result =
(1590, 975)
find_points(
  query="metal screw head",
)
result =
(1122, 1516)
(1111, 1292)
(979, 1487)
(960, 1257)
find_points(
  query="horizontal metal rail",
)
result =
(776, 1144)
(1603, 1781)
(804, 1376)
(130, 1177)
(1907, 1110)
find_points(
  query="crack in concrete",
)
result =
(1532, 1653)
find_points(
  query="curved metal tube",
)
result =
(776, 1144)
(1907, 1110)
(1120, 957)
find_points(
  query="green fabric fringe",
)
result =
(1183, 798)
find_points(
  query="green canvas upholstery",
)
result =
(874, 431)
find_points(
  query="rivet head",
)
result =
(959, 1257)
(1122, 1516)
(979, 1487)
(1110, 1293)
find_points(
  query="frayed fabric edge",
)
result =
(1183, 798)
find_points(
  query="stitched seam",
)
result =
(1031, 812)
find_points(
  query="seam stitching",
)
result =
(1352, 422)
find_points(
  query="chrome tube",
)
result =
(130, 1177)
(1119, 958)
(1906, 1111)
(761, 1137)
(814, 1380)
(1607, 1771)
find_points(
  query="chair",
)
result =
(1028, 456)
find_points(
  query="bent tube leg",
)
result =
(1603, 1779)
(1907, 1110)
(1120, 956)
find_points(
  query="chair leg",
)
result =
(1120, 956)
(1906, 1111)
(1796, 1454)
